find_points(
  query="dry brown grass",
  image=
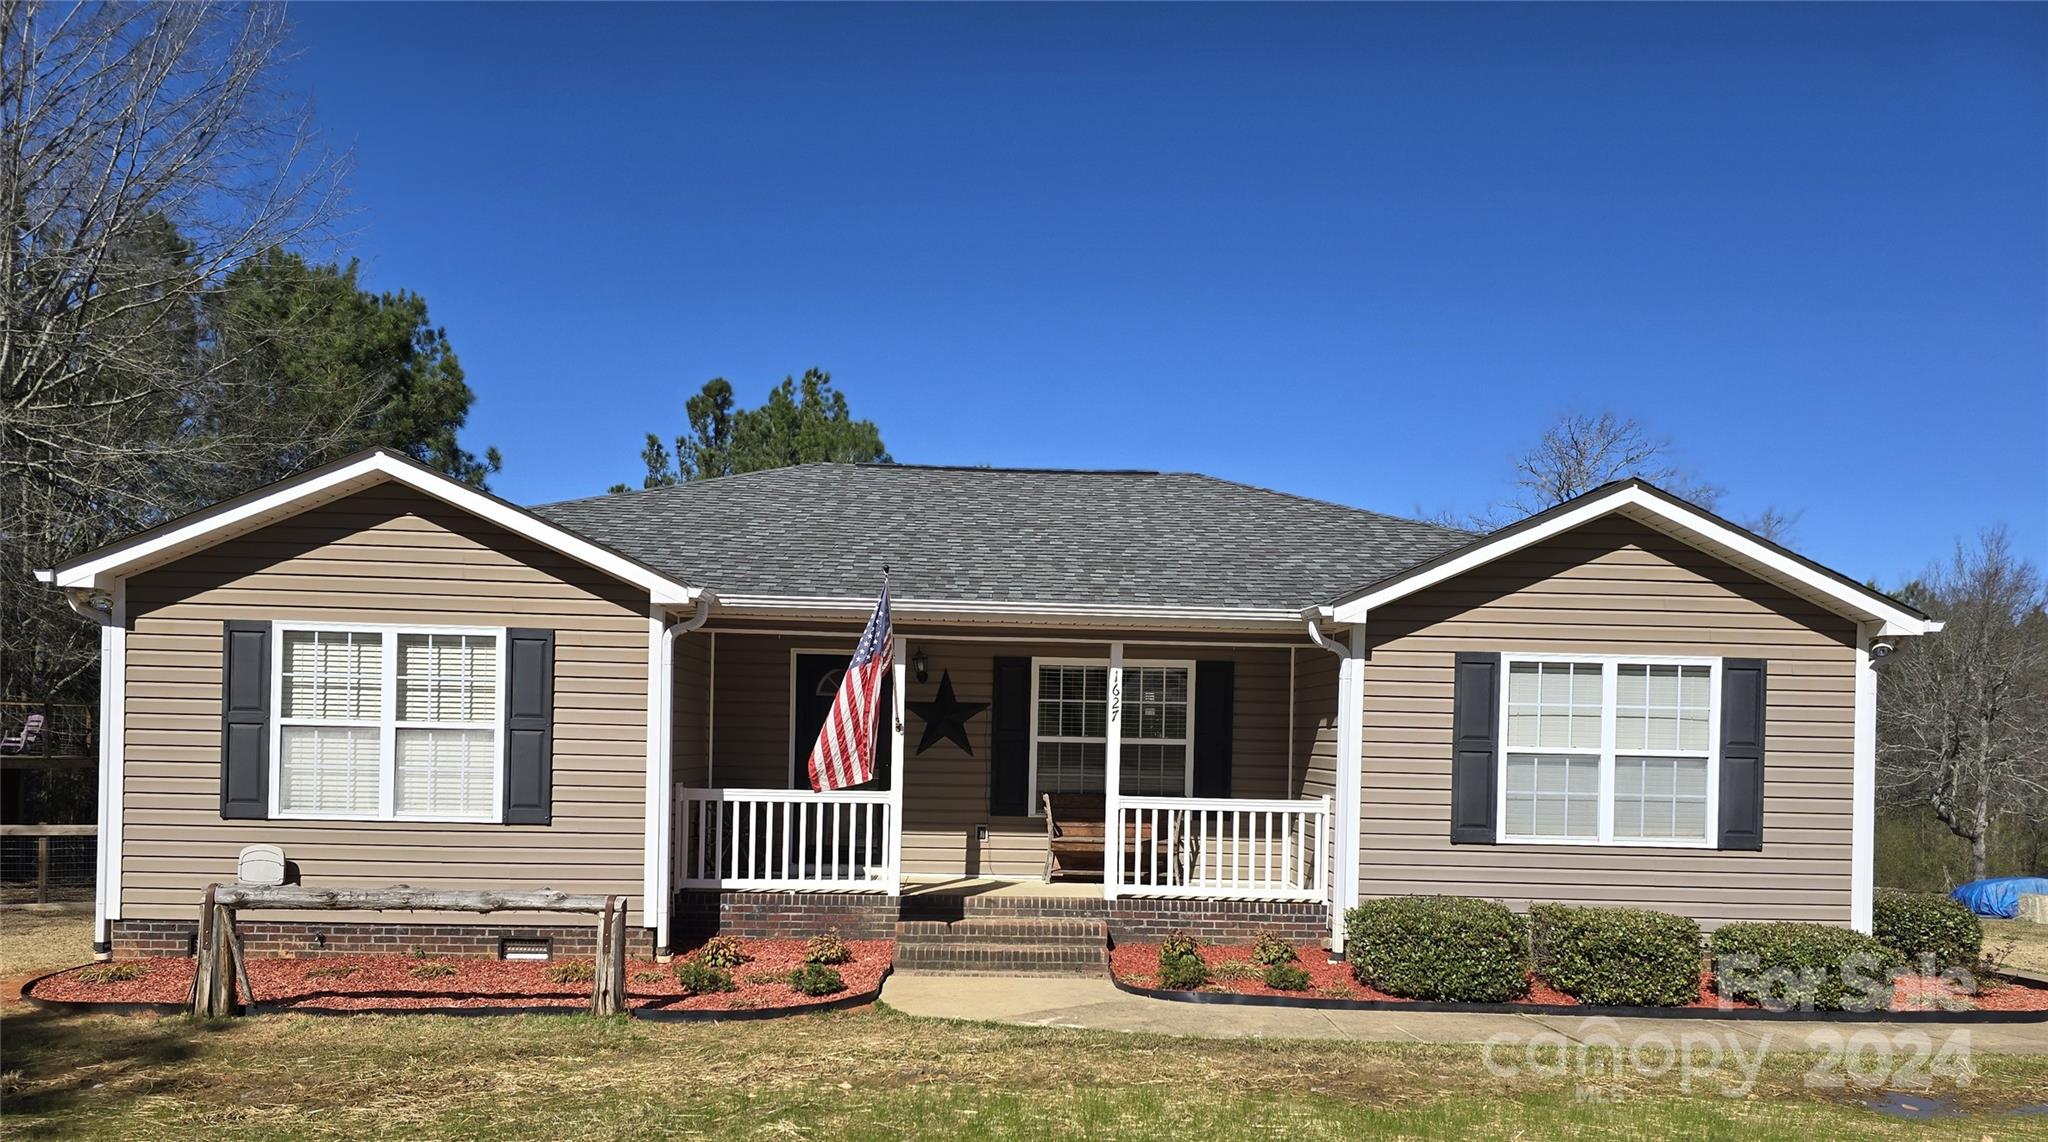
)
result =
(2017, 944)
(43, 941)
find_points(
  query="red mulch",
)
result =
(1138, 965)
(387, 982)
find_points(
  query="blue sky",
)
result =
(1360, 253)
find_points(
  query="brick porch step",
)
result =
(1003, 946)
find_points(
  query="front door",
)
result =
(817, 683)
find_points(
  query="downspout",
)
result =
(1344, 873)
(665, 734)
(81, 601)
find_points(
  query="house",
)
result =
(1285, 705)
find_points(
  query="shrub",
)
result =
(723, 952)
(1269, 949)
(572, 971)
(1286, 977)
(1924, 927)
(1627, 956)
(817, 979)
(648, 977)
(111, 973)
(1790, 964)
(1182, 973)
(1236, 969)
(1177, 945)
(431, 969)
(1439, 947)
(698, 977)
(827, 949)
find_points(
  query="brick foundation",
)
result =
(1218, 921)
(782, 915)
(133, 938)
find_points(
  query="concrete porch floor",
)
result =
(1095, 1004)
(985, 886)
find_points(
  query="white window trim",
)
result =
(1037, 806)
(387, 722)
(1608, 664)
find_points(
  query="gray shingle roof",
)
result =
(1004, 535)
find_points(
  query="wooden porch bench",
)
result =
(1075, 824)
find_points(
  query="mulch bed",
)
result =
(1232, 972)
(389, 983)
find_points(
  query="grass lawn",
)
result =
(2018, 944)
(43, 941)
(871, 1074)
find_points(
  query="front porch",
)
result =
(957, 811)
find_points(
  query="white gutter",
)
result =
(977, 610)
(1350, 780)
(659, 870)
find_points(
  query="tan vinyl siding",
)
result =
(384, 555)
(1612, 587)
(946, 796)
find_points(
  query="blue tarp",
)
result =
(1999, 897)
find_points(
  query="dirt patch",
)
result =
(397, 983)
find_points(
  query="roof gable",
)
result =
(251, 511)
(1660, 510)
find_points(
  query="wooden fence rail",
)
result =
(221, 965)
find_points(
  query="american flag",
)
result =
(845, 752)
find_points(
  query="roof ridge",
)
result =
(1298, 497)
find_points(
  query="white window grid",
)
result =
(387, 723)
(1130, 734)
(1607, 753)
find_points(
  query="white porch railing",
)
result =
(1224, 848)
(786, 839)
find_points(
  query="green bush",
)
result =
(1269, 949)
(723, 952)
(572, 971)
(817, 979)
(1182, 973)
(827, 949)
(431, 969)
(699, 977)
(1626, 956)
(1788, 964)
(1927, 929)
(1439, 948)
(1286, 977)
(1177, 945)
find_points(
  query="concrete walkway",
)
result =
(1093, 1004)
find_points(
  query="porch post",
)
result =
(1112, 777)
(900, 763)
(1350, 780)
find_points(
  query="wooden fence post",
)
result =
(608, 977)
(215, 965)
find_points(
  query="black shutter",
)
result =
(245, 721)
(1743, 686)
(529, 726)
(1475, 740)
(1009, 750)
(1215, 701)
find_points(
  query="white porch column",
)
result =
(661, 797)
(900, 763)
(1863, 791)
(1350, 780)
(1112, 777)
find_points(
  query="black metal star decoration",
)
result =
(945, 717)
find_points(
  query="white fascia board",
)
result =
(939, 610)
(1819, 586)
(291, 497)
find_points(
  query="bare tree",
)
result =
(1581, 451)
(143, 155)
(1964, 714)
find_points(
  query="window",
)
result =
(1601, 750)
(1070, 728)
(388, 723)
